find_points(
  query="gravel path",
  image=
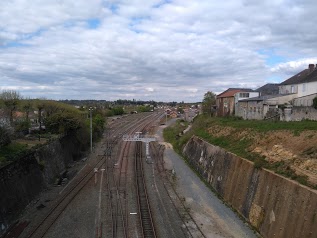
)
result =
(214, 218)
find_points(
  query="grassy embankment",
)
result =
(239, 147)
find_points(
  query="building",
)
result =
(259, 108)
(293, 102)
(226, 101)
(303, 86)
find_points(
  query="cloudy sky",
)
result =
(152, 49)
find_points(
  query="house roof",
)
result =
(307, 75)
(230, 92)
(262, 98)
(312, 77)
(297, 78)
(268, 89)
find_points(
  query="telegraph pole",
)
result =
(90, 110)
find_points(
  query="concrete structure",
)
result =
(243, 95)
(258, 107)
(274, 205)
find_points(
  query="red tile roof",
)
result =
(230, 92)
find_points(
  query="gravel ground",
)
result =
(166, 218)
(214, 218)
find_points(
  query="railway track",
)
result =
(148, 229)
(192, 228)
(62, 202)
(115, 169)
(117, 222)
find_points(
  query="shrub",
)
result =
(259, 163)
(4, 137)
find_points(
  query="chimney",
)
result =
(311, 67)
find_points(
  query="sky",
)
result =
(162, 50)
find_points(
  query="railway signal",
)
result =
(138, 137)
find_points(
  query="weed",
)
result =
(296, 133)
(259, 163)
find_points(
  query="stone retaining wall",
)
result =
(274, 205)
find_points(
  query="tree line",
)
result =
(48, 116)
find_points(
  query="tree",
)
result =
(63, 122)
(26, 107)
(315, 102)
(11, 100)
(209, 102)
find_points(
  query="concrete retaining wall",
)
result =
(274, 205)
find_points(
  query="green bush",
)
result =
(12, 152)
(259, 163)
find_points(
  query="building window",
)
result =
(304, 87)
(292, 89)
(244, 95)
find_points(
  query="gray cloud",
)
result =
(174, 50)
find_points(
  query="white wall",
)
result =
(286, 89)
(305, 89)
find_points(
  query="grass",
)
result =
(239, 147)
(11, 152)
(261, 126)
(20, 147)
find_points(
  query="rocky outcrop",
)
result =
(22, 180)
(274, 205)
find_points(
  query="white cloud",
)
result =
(292, 67)
(174, 50)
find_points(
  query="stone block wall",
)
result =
(274, 205)
(302, 113)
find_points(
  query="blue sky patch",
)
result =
(271, 58)
(114, 8)
(13, 44)
(93, 23)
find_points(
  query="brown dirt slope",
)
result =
(298, 150)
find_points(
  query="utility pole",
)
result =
(90, 110)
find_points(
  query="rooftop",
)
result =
(307, 75)
(230, 92)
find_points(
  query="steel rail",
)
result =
(147, 224)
